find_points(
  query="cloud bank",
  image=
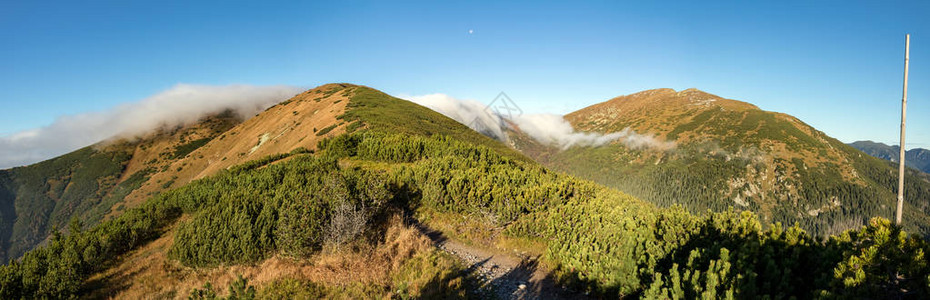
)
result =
(556, 131)
(182, 104)
(548, 129)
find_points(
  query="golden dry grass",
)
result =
(661, 111)
(147, 273)
(280, 129)
(154, 151)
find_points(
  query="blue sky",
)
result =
(837, 65)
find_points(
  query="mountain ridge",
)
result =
(917, 158)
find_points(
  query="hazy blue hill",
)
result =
(917, 158)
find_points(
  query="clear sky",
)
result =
(836, 65)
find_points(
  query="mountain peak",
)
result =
(694, 92)
(650, 105)
(696, 117)
(652, 92)
(656, 98)
(667, 91)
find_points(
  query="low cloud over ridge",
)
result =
(555, 130)
(472, 113)
(548, 129)
(180, 105)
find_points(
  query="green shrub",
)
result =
(327, 129)
(185, 149)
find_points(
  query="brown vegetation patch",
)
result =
(148, 273)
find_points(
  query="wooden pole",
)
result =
(897, 215)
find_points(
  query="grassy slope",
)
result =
(279, 129)
(731, 154)
(384, 113)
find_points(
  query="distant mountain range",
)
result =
(917, 158)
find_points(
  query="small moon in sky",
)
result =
(470, 31)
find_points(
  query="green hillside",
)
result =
(47, 194)
(84, 184)
(384, 113)
(343, 196)
(732, 154)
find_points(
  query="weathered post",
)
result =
(898, 212)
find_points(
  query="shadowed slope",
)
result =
(89, 183)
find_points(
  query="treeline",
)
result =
(599, 239)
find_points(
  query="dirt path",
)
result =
(506, 276)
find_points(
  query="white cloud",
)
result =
(472, 113)
(182, 104)
(555, 130)
(548, 129)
